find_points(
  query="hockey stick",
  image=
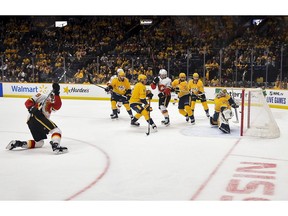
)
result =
(235, 109)
(91, 82)
(60, 78)
(149, 126)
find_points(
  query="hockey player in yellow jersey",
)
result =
(197, 93)
(222, 114)
(139, 104)
(180, 86)
(120, 90)
(118, 104)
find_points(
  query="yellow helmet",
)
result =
(120, 70)
(182, 75)
(195, 75)
(121, 73)
(142, 77)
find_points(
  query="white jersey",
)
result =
(164, 83)
(47, 107)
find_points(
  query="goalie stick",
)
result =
(235, 109)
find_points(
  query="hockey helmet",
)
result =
(182, 76)
(120, 70)
(222, 93)
(195, 76)
(121, 74)
(142, 77)
(163, 73)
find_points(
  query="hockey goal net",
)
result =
(256, 117)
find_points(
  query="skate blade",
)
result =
(10, 145)
(57, 152)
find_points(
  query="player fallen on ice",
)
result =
(223, 103)
(163, 83)
(120, 90)
(39, 123)
(138, 102)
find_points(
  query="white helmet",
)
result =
(163, 73)
(120, 70)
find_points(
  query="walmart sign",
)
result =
(24, 89)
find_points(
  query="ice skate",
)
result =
(187, 118)
(192, 120)
(114, 116)
(14, 144)
(58, 149)
(154, 128)
(134, 122)
(165, 122)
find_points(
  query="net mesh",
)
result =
(258, 119)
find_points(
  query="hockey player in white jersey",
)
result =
(163, 83)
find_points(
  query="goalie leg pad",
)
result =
(224, 128)
(223, 124)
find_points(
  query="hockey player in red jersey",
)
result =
(39, 123)
(163, 83)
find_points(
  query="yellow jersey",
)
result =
(196, 88)
(120, 87)
(138, 93)
(222, 102)
(183, 87)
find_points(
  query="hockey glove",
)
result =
(56, 88)
(128, 94)
(148, 108)
(177, 90)
(156, 80)
(161, 94)
(108, 88)
(234, 105)
(34, 111)
(149, 94)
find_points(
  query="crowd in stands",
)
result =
(219, 48)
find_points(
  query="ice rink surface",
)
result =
(109, 160)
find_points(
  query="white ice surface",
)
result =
(108, 160)
(111, 160)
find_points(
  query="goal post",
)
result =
(256, 117)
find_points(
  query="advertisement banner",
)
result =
(1, 90)
(275, 98)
